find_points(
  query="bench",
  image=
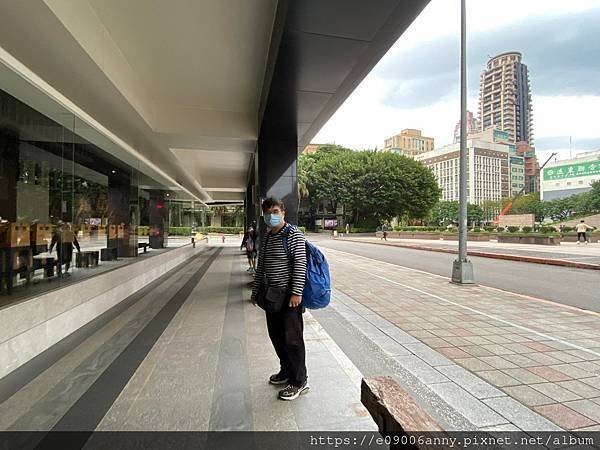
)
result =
(143, 245)
(394, 410)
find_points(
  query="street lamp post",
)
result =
(462, 268)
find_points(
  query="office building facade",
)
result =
(409, 142)
(488, 170)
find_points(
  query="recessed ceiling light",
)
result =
(113, 171)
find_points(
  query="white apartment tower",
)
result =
(505, 97)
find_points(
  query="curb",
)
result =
(504, 256)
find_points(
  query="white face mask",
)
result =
(272, 220)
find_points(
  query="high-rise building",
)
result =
(505, 97)
(409, 142)
(472, 126)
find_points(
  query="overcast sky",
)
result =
(416, 84)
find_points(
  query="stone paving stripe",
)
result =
(91, 407)
(534, 333)
(472, 409)
(564, 416)
(420, 369)
(501, 428)
(390, 346)
(23, 375)
(428, 355)
(232, 374)
(472, 383)
(520, 415)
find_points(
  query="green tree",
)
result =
(367, 184)
(559, 209)
(474, 213)
(444, 213)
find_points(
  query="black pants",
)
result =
(286, 332)
(581, 235)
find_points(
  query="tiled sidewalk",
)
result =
(545, 355)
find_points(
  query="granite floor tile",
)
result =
(564, 417)
(587, 408)
(498, 378)
(472, 409)
(498, 362)
(520, 415)
(528, 395)
(555, 392)
(580, 388)
(524, 376)
(473, 364)
(549, 374)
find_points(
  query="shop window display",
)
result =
(68, 208)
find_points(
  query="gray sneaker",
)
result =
(291, 392)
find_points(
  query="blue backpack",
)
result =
(317, 286)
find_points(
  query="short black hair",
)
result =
(268, 203)
(582, 220)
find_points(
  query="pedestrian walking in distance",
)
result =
(249, 244)
(278, 285)
(384, 230)
(582, 228)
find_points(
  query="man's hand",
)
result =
(295, 301)
(253, 300)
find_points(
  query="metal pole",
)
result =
(462, 269)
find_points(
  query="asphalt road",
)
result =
(574, 287)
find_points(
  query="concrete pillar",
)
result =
(122, 234)
(277, 165)
(9, 173)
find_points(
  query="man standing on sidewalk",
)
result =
(284, 267)
(582, 228)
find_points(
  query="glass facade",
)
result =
(69, 209)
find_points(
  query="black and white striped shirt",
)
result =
(281, 269)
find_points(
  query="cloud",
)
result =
(561, 52)
(562, 142)
(416, 84)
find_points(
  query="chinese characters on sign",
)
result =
(572, 170)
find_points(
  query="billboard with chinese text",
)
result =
(583, 169)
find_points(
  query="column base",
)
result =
(462, 272)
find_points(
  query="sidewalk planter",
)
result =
(475, 237)
(537, 240)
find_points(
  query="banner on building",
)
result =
(584, 169)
